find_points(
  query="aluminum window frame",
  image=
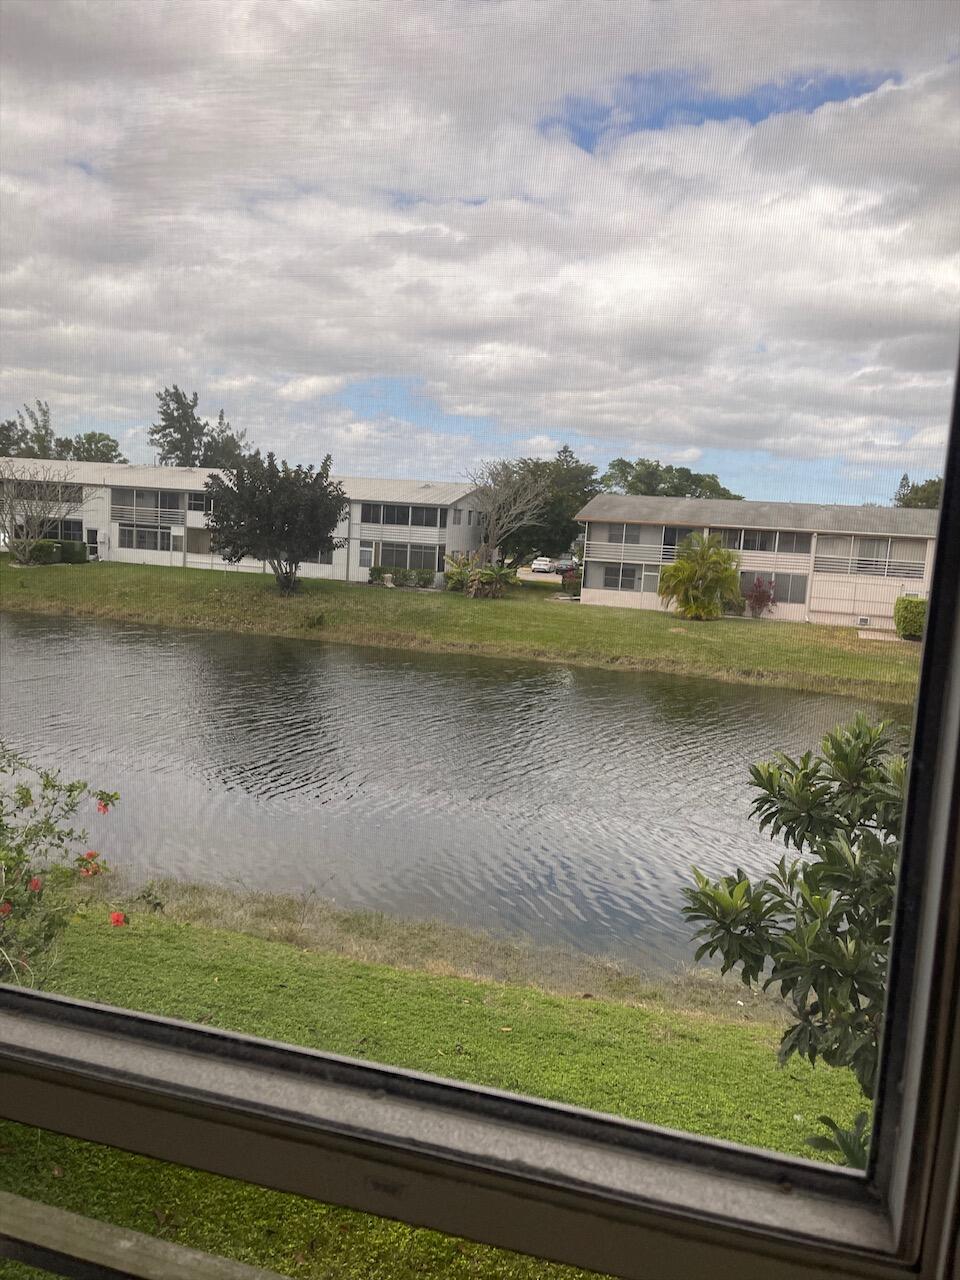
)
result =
(557, 1181)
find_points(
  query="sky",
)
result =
(416, 234)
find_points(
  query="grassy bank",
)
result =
(683, 1069)
(526, 624)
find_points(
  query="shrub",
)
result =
(735, 608)
(424, 577)
(488, 581)
(73, 552)
(403, 577)
(41, 863)
(571, 583)
(759, 599)
(46, 551)
(909, 617)
(376, 575)
(704, 576)
(818, 927)
(457, 574)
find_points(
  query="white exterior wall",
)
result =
(100, 479)
(838, 599)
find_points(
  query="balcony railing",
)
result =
(872, 567)
(146, 517)
(630, 552)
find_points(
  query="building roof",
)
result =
(438, 493)
(809, 517)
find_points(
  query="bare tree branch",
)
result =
(507, 497)
(34, 498)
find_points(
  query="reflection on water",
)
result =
(565, 805)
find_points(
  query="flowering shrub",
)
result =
(40, 866)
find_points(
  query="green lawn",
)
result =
(526, 624)
(710, 1075)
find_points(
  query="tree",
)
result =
(508, 496)
(704, 577)
(95, 446)
(277, 513)
(819, 927)
(649, 478)
(569, 484)
(33, 500)
(187, 440)
(922, 493)
(30, 435)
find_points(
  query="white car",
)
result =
(542, 564)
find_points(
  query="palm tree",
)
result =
(704, 577)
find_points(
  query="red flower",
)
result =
(91, 854)
(102, 806)
(5, 908)
(117, 917)
(35, 885)
(92, 870)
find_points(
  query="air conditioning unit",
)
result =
(863, 622)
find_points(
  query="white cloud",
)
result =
(282, 205)
(311, 388)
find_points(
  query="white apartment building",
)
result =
(157, 515)
(843, 565)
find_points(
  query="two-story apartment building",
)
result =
(157, 515)
(835, 564)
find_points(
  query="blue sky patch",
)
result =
(667, 99)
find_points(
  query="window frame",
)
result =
(551, 1180)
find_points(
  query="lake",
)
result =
(559, 804)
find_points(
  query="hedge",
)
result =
(73, 552)
(46, 551)
(909, 616)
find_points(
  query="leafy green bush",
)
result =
(46, 551)
(488, 581)
(822, 921)
(376, 575)
(702, 579)
(909, 617)
(40, 861)
(403, 577)
(424, 577)
(73, 552)
(457, 574)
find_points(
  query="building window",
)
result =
(198, 502)
(674, 534)
(457, 515)
(370, 512)
(615, 532)
(469, 516)
(176, 542)
(790, 588)
(170, 501)
(732, 539)
(441, 557)
(749, 576)
(628, 577)
(759, 540)
(395, 515)
(393, 555)
(71, 531)
(423, 557)
(797, 544)
(126, 535)
(443, 517)
(423, 517)
(611, 576)
(366, 555)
